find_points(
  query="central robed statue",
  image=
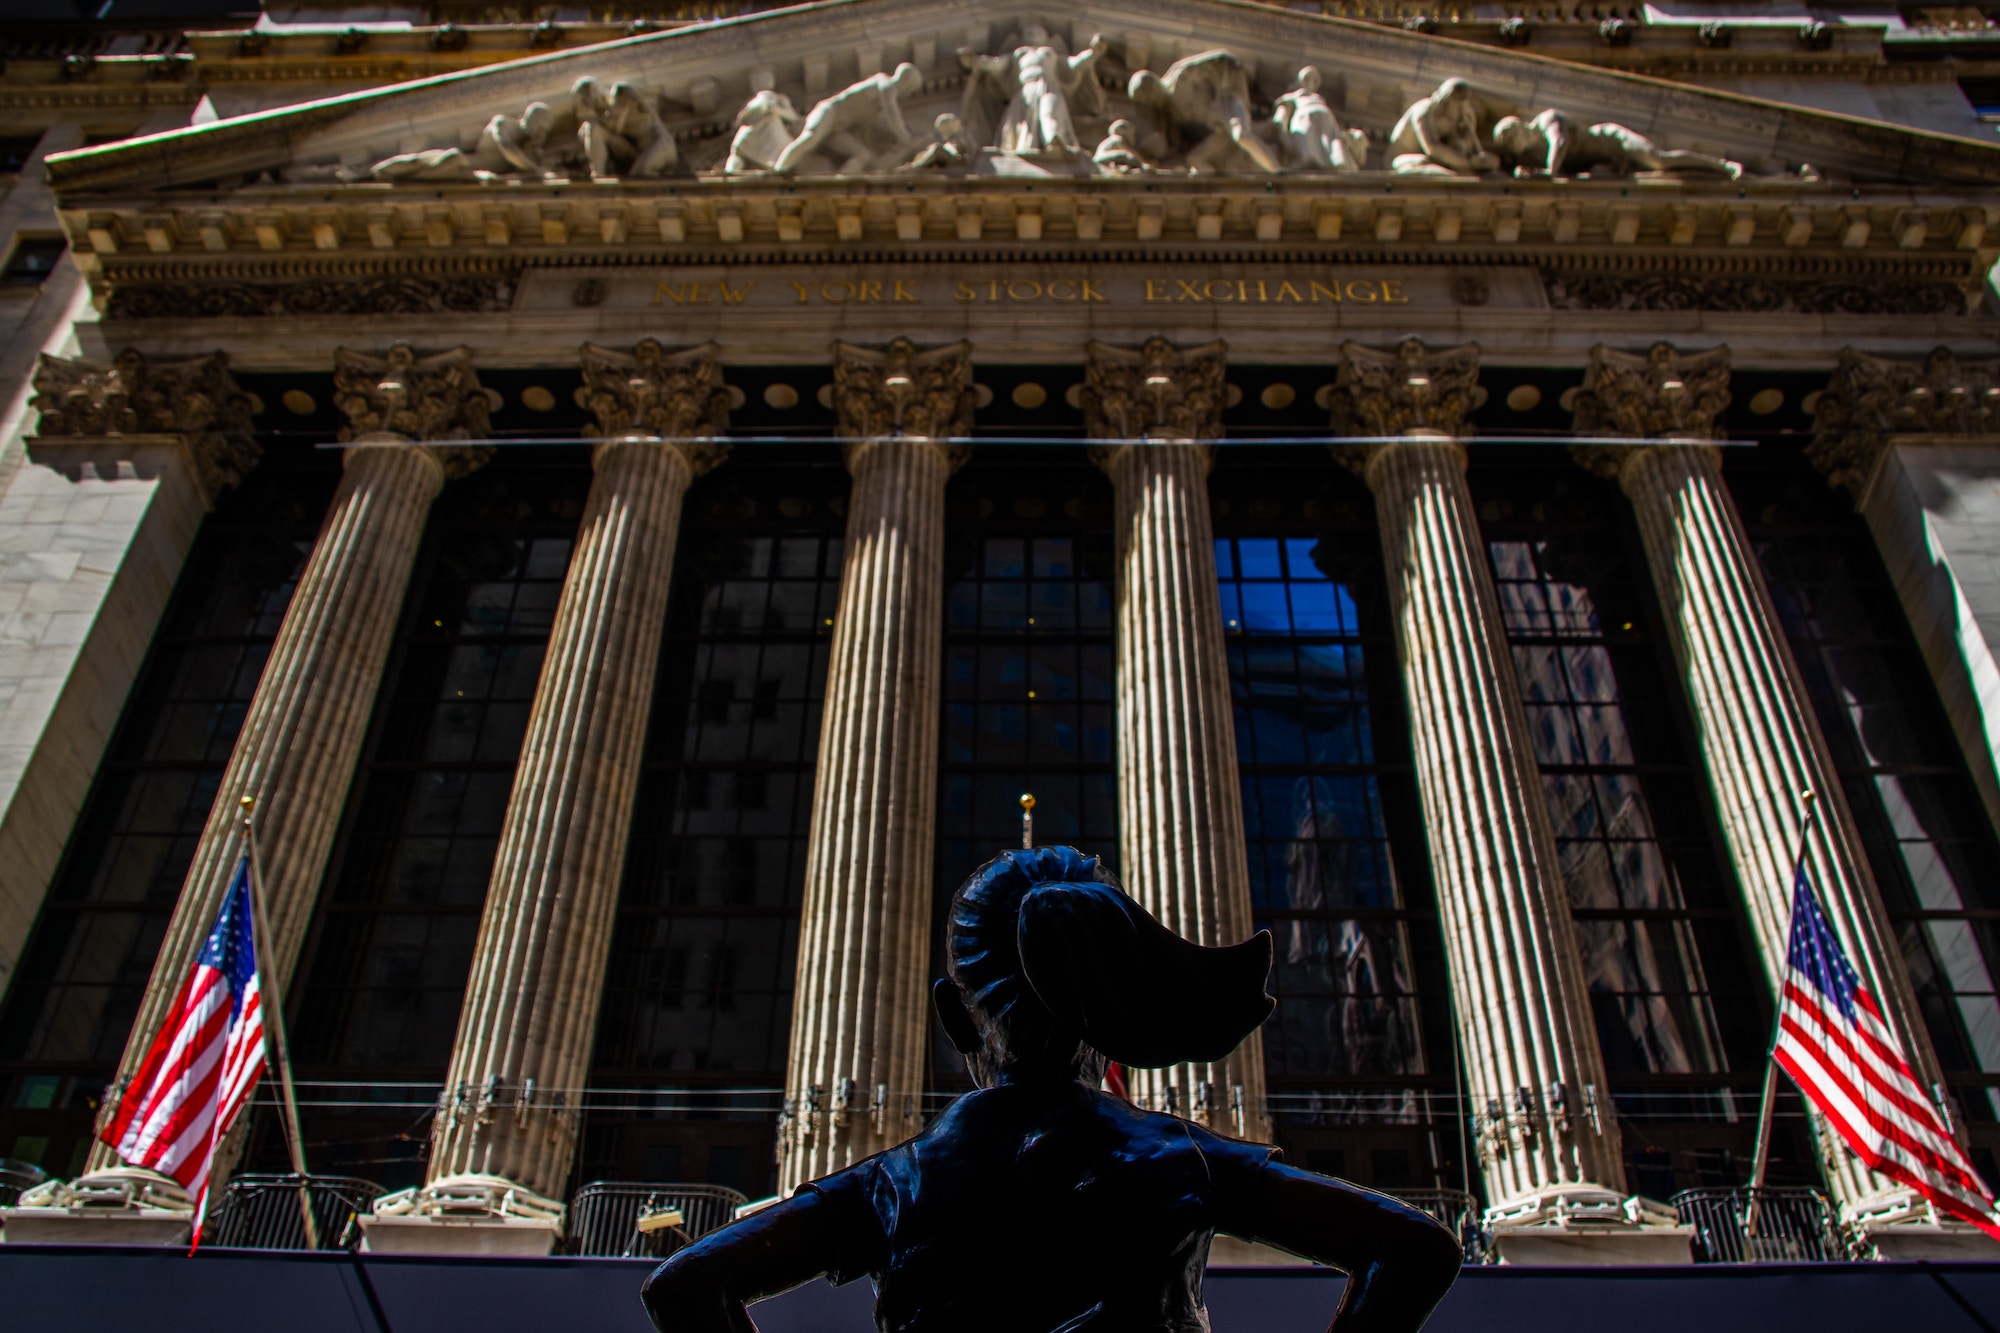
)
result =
(1040, 1204)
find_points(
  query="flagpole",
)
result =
(274, 1026)
(1763, 1156)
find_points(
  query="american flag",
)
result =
(1846, 1060)
(204, 1063)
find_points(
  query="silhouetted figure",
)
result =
(1039, 1204)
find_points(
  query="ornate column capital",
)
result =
(1155, 392)
(425, 399)
(1412, 391)
(651, 392)
(1872, 399)
(900, 392)
(1659, 396)
(99, 412)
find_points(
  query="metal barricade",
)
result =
(1793, 1225)
(1457, 1210)
(16, 1179)
(604, 1217)
(262, 1212)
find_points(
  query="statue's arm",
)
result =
(1399, 1262)
(706, 1287)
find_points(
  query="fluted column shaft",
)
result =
(530, 1014)
(302, 735)
(1762, 743)
(1523, 1013)
(860, 1014)
(1180, 803)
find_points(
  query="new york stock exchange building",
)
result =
(629, 509)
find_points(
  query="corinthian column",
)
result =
(302, 735)
(508, 1122)
(1547, 1135)
(1180, 803)
(859, 1016)
(1759, 738)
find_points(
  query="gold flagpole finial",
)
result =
(1027, 822)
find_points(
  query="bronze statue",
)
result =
(1039, 1204)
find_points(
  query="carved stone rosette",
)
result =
(902, 392)
(198, 401)
(1872, 398)
(651, 392)
(428, 399)
(1662, 395)
(1412, 390)
(1157, 392)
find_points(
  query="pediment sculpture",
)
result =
(1032, 86)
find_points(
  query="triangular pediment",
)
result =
(697, 80)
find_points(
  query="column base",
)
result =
(121, 1205)
(1588, 1226)
(471, 1214)
(1901, 1227)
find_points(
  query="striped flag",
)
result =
(204, 1063)
(1846, 1060)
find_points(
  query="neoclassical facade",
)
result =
(635, 518)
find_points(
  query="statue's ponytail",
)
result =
(1050, 929)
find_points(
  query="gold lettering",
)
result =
(735, 295)
(1286, 289)
(870, 291)
(965, 292)
(1151, 294)
(1090, 292)
(1367, 292)
(1392, 292)
(904, 293)
(694, 295)
(802, 290)
(1188, 293)
(1055, 295)
(1034, 290)
(675, 294)
(1261, 297)
(993, 291)
(1319, 289)
(827, 289)
(1208, 290)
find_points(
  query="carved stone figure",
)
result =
(1554, 144)
(1034, 84)
(422, 398)
(1156, 392)
(197, 400)
(652, 392)
(622, 134)
(765, 127)
(953, 147)
(900, 391)
(1311, 134)
(862, 122)
(1039, 1201)
(1871, 399)
(1118, 152)
(1201, 107)
(507, 146)
(1439, 135)
(1413, 388)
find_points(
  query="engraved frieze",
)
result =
(424, 398)
(478, 294)
(900, 391)
(650, 391)
(196, 400)
(1155, 392)
(1872, 399)
(1752, 294)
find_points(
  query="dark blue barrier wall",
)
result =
(70, 1289)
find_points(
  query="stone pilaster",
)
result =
(1917, 443)
(302, 735)
(530, 1014)
(1547, 1133)
(1180, 803)
(1759, 738)
(860, 1015)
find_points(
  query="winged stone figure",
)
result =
(1201, 106)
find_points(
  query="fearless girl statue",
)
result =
(1038, 1203)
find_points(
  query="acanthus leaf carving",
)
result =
(1661, 395)
(197, 400)
(649, 391)
(1410, 390)
(900, 391)
(1154, 392)
(428, 399)
(1872, 399)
